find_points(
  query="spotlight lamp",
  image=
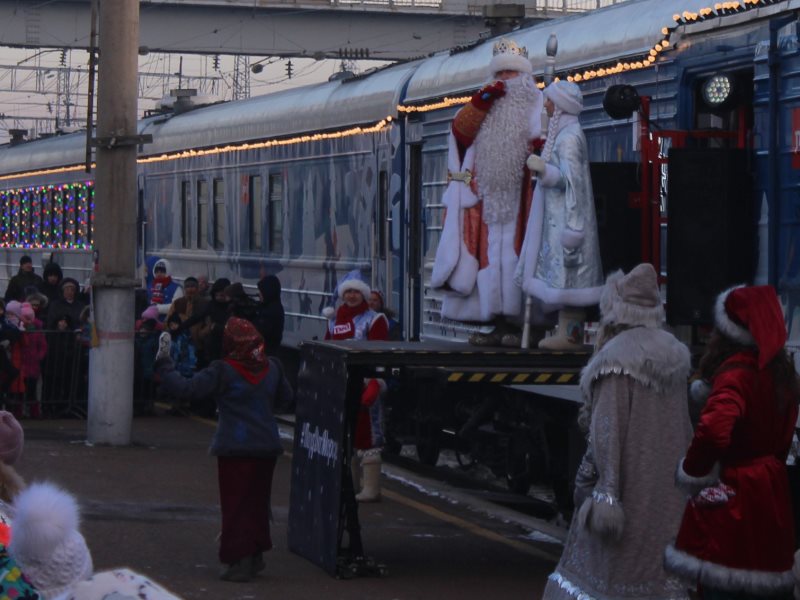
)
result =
(621, 101)
(718, 91)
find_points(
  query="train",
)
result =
(693, 125)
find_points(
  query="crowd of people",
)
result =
(44, 335)
(195, 314)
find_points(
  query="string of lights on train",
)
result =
(71, 229)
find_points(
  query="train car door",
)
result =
(415, 239)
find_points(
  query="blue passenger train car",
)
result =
(313, 182)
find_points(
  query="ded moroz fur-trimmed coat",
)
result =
(627, 506)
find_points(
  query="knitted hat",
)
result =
(46, 543)
(27, 313)
(14, 311)
(752, 316)
(353, 281)
(151, 312)
(565, 95)
(507, 56)
(632, 299)
(24, 260)
(12, 438)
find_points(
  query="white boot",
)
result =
(355, 472)
(569, 334)
(371, 491)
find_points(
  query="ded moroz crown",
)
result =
(505, 46)
(508, 56)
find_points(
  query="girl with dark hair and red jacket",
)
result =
(355, 320)
(736, 539)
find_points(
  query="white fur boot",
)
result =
(569, 334)
(371, 491)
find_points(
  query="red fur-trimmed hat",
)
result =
(752, 316)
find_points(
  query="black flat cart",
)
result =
(433, 378)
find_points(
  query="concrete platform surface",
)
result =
(153, 506)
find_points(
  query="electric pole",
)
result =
(111, 362)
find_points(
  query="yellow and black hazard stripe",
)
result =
(514, 377)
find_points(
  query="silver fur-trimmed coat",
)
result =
(627, 506)
(560, 260)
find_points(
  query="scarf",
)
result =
(243, 349)
(344, 329)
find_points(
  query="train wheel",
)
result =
(428, 443)
(518, 474)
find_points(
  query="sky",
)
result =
(52, 84)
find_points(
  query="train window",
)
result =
(35, 218)
(202, 215)
(219, 213)
(16, 215)
(57, 231)
(45, 230)
(255, 213)
(186, 224)
(69, 218)
(275, 213)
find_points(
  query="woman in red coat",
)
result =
(736, 539)
(354, 320)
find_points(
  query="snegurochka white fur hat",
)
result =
(566, 95)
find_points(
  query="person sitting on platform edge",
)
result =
(245, 384)
(354, 320)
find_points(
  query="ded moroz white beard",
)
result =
(501, 148)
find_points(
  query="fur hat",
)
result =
(566, 95)
(353, 281)
(162, 263)
(46, 543)
(632, 299)
(38, 297)
(507, 56)
(752, 316)
(12, 438)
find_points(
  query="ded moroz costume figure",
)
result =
(736, 539)
(560, 262)
(488, 196)
(636, 411)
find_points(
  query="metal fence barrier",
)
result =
(57, 384)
